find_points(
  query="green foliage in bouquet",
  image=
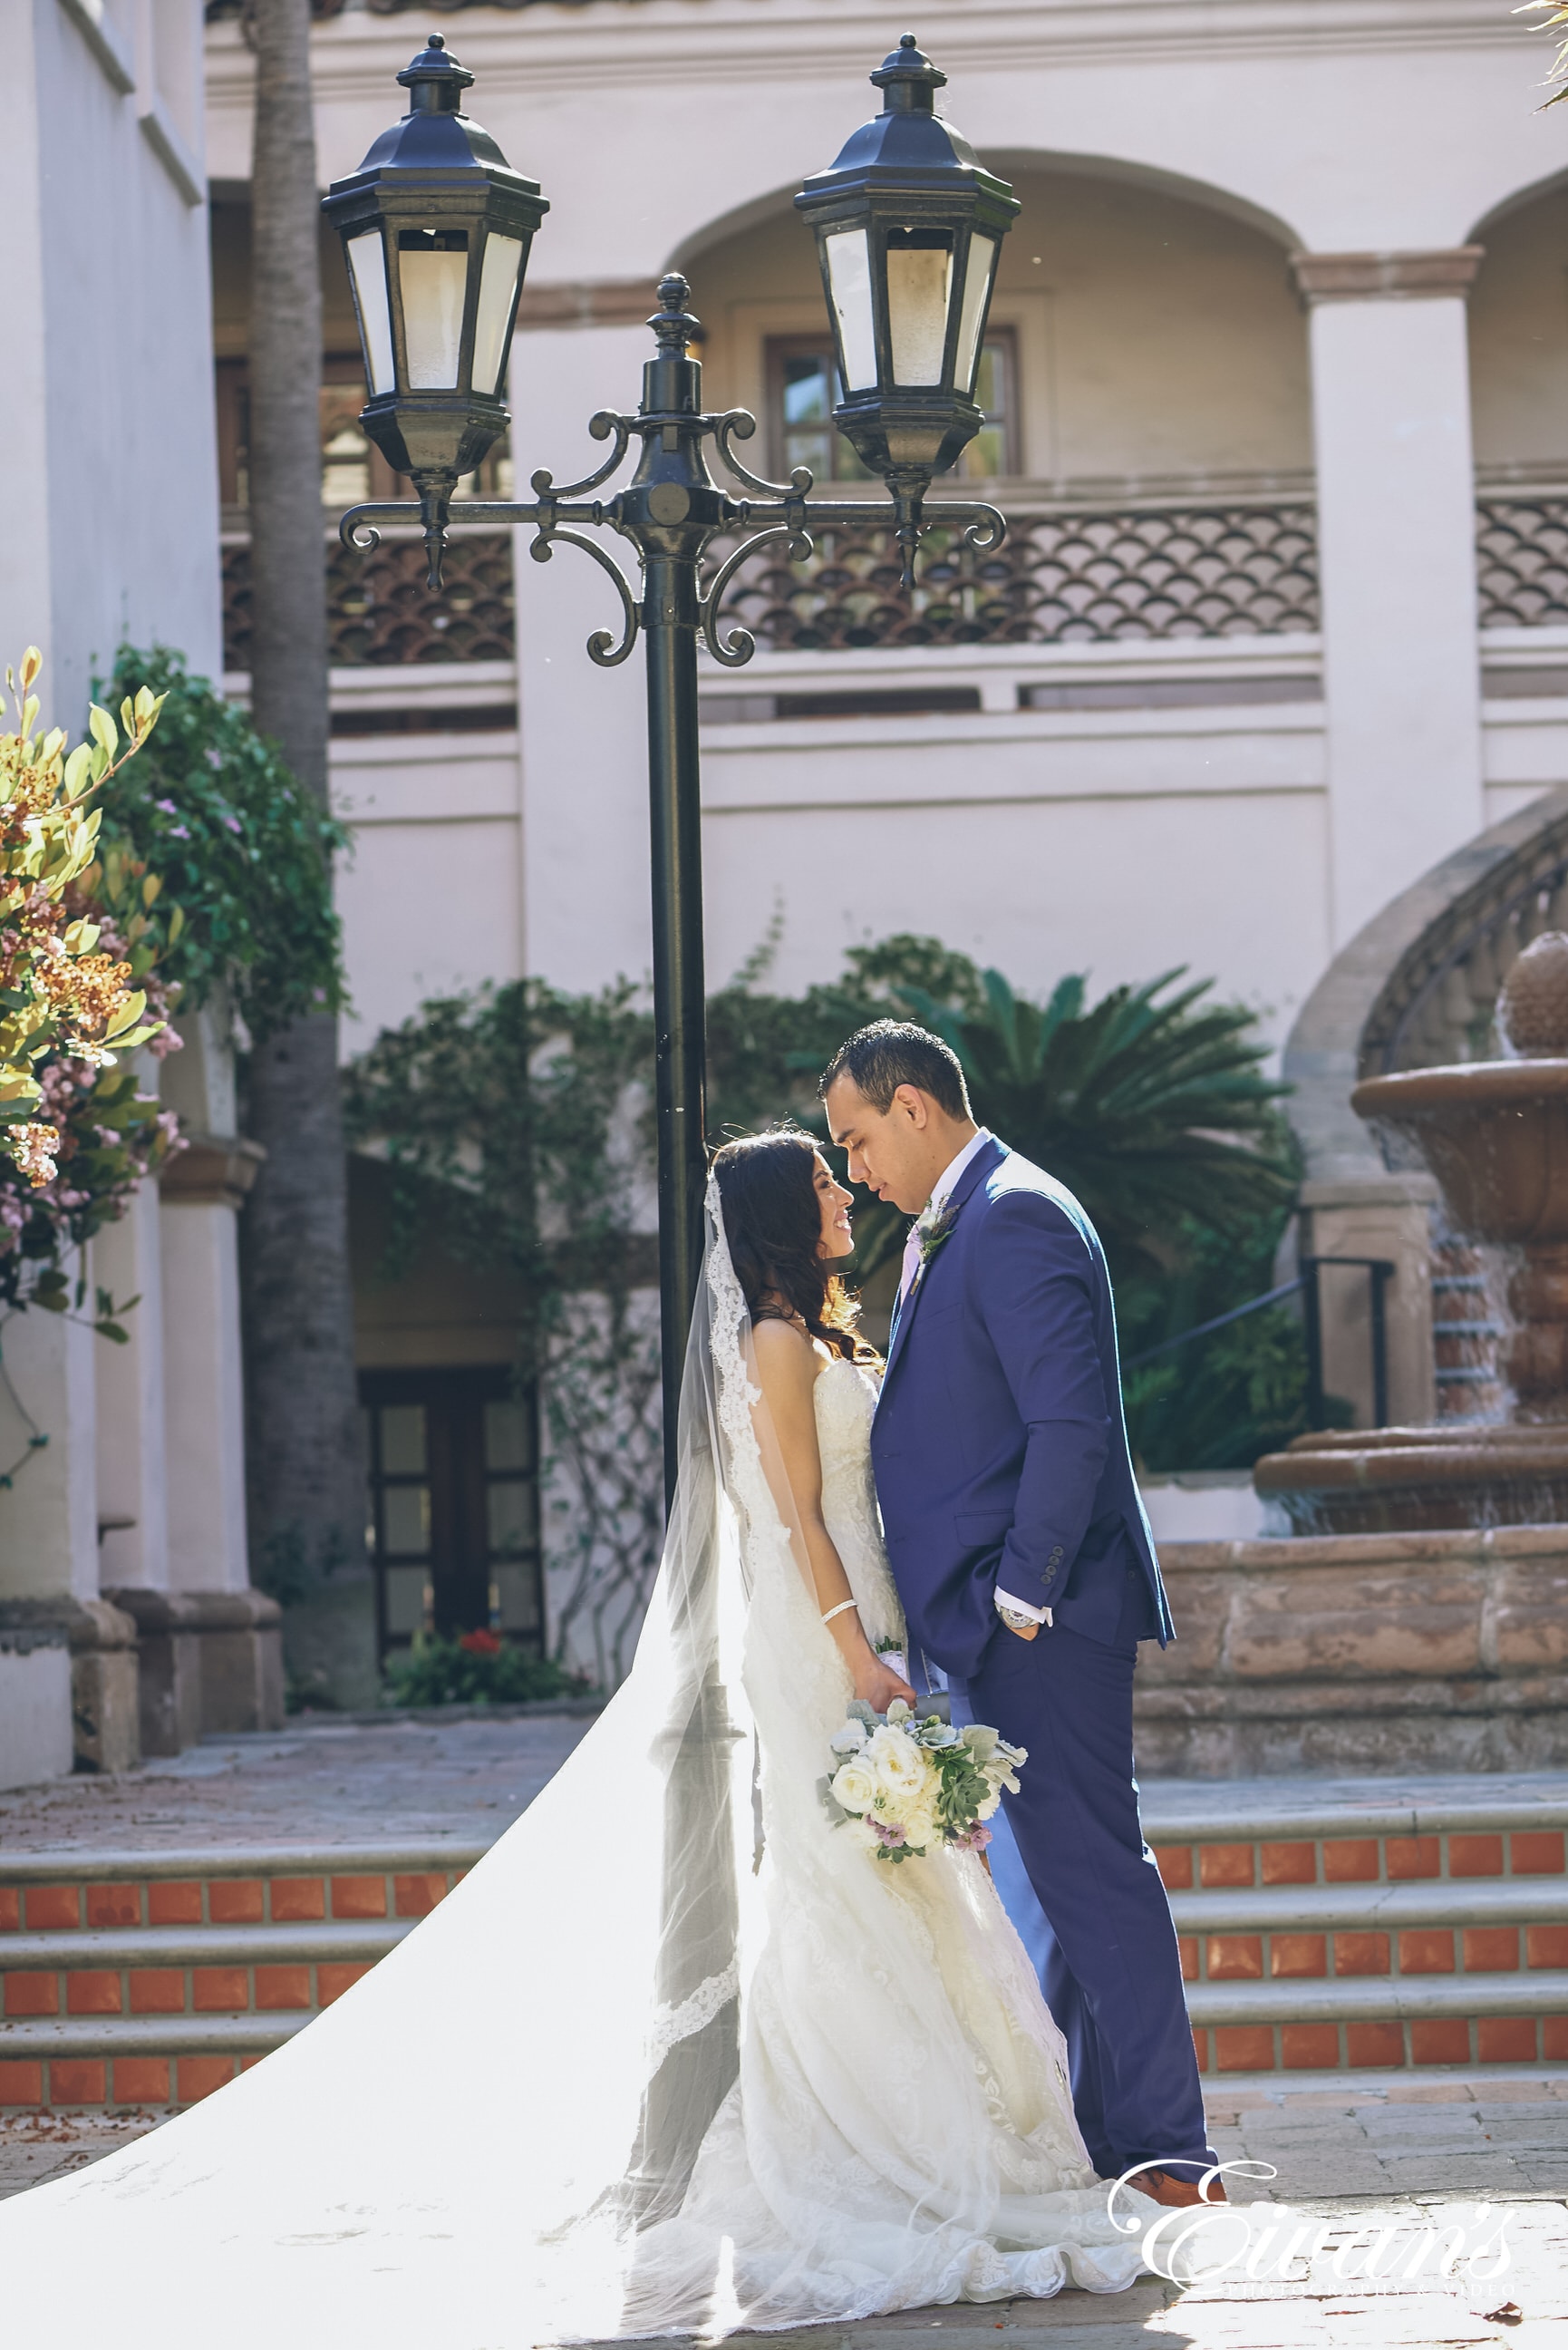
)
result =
(478, 1668)
(245, 854)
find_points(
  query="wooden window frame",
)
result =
(777, 348)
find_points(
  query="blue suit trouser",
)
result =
(1081, 1886)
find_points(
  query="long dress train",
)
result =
(675, 2057)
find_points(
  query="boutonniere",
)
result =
(931, 1231)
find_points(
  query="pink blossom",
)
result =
(975, 1840)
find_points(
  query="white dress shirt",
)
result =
(942, 1190)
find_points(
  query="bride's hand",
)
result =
(877, 1684)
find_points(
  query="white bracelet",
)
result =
(839, 1610)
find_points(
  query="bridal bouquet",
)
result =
(901, 1784)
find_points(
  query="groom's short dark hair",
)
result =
(893, 1053)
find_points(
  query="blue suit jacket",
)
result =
(999, 1445)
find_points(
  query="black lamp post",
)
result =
(436, 231)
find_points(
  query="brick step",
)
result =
(1475, 1845)
(133, 2060)
(152, 1979)
(1445, 1927)
(194, 1970)
(1398, 2022)
(1348, 1930)
(289, 1884)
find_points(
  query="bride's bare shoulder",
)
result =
(781, 1342)
(787, 1359)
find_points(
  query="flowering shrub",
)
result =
(77, 989)
(480, 1668)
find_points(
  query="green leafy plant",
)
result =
(1151, 1106)
(243, 854)
(476, 1670)
(1217, 1401)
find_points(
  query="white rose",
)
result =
(920, 1824)
(849, 1740)
(900, 1766)
(853, 1786)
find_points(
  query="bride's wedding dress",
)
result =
(901, 2131)
(675, 2057)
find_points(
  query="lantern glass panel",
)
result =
(976, 287)
(919, 287)
(849, 277)
(497, 300)
(433, 264)
(368, 262)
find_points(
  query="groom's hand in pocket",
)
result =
(1025, 1631)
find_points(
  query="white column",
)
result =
(204, 1390)
(48, 1516)
(583, 729)
(132, 1502)
(1396, 494)
(204, 1384)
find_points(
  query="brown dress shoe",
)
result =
(1178, 2193)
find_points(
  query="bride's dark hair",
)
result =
(767, 1183)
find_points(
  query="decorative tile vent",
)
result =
(380, 612)
(1069, 575)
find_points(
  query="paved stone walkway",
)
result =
(1369, 2168)
(314, 1782)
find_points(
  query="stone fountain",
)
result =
(1416, 1616)
(1495, 1135)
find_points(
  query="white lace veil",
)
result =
(466, 2149)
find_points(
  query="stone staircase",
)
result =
(1326, 1927)
(151, 1980)
(1339, 1928)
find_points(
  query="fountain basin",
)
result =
(1413, 1480)
(1495, 1135)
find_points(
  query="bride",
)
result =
(676, 2056)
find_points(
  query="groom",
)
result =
(1024, 1562)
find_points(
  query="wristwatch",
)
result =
(1017, 1621)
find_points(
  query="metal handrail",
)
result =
(1201, 1329)
(1379, 1270)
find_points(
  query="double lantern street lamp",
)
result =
(436, 230)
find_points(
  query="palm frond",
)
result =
(1553, 19)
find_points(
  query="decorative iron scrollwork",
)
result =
(603, 648)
